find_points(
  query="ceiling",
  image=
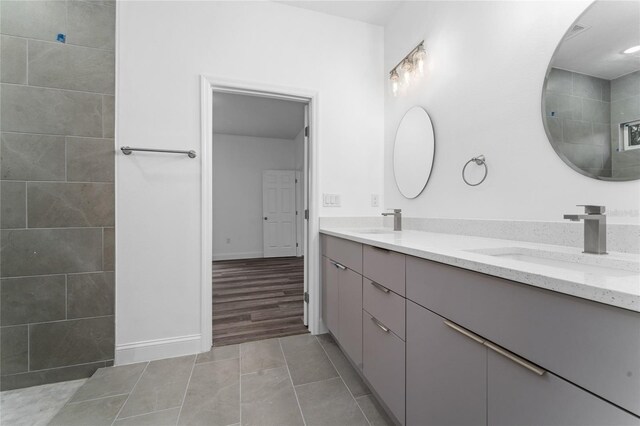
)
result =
(611, 27)
(244, 115)
(372, 12)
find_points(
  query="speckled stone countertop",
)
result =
(613, 279)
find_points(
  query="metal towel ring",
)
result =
(480, 161)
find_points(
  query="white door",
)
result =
(279, 213)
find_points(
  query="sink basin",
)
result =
(375, 231)
(588, 263)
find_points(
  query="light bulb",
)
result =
(407, 70)
(395, 83)
(418, 59)
(632, 49)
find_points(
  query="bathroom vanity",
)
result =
(444, 332)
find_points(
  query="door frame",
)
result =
(208, 85)
(300, 206)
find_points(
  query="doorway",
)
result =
(260, 193)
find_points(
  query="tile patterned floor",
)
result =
(295, 380)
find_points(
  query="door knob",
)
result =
(265, 218)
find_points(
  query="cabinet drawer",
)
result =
(385, 305)
(345, 252)
(384, 267)
(383, 359)
(517, 396)
(593, 345)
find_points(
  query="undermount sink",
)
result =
(375, 231)
(594, 264)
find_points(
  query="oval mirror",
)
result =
(413, 152)
(591, 94)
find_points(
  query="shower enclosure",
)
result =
(57, 72)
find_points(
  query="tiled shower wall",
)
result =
(581, 119)
(625, 107)
(56, 190)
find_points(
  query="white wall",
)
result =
(488, 61)
(238, 162)
(163, 48)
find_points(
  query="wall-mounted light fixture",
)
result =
(408, 69)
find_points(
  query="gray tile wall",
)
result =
(577, 108)
(56, 190)
(625, 107)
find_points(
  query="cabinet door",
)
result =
(350, 316)
(384, 364)
(517, 396)
(446, 372)
(330, 297)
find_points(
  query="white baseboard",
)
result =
(150, 350)
(233, 256)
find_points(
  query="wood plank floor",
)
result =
(256, 299)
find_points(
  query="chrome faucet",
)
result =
(397, 219)
(595, 228)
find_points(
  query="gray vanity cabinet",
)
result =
(446, 372)
(593, 345)
(384, 364)
(441, 345)
(517, 396)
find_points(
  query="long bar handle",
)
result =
(505, 353)
(337, 265)
(515, 358)
(127, 150)
(380, 287)
(379, 324)
(464, 332)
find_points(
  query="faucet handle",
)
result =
(591, 209)
(396, 210)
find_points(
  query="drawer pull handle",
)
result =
(380, 287)
(515, 358)
(339, 266)
(379, 324)
(463, 331)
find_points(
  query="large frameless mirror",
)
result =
(413, 152)
(591, 94)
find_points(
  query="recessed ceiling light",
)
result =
(632, 49)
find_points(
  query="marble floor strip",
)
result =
(35, 406)
(296, 380)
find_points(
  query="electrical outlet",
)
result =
(375, 200)
(228, 240)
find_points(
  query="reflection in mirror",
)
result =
(591, 97)
(413, 152)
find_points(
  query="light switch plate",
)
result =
(331, 200)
